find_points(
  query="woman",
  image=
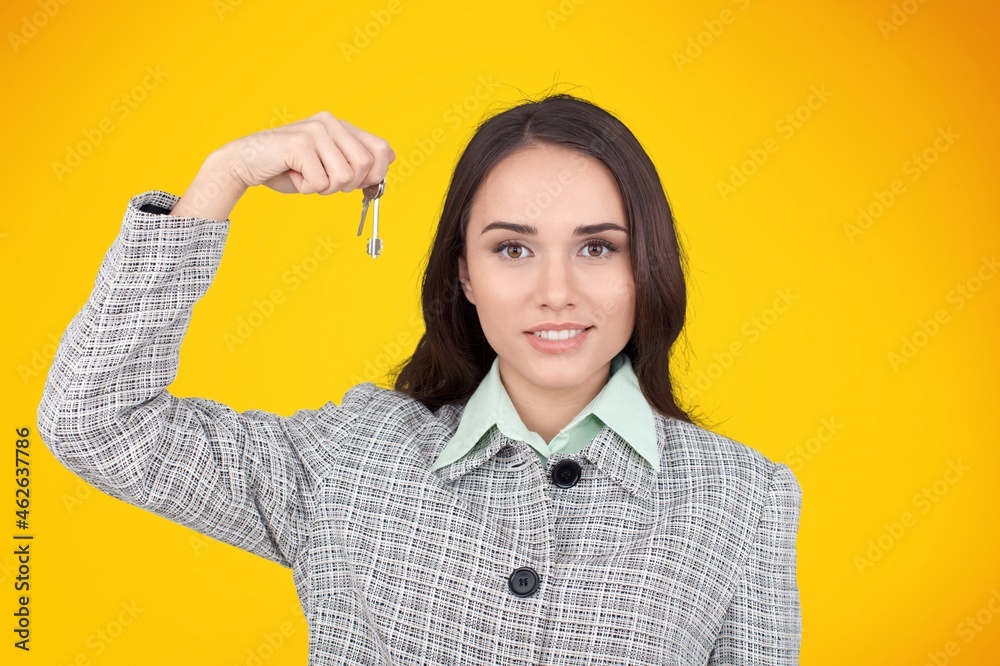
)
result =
(530, 493)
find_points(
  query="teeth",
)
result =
(558, 335)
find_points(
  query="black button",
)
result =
(566, 473)
(523, 582)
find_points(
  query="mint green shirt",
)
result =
(620, 405)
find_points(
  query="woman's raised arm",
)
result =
(106, 413)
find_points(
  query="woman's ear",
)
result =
(463, 279)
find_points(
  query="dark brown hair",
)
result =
(453, 355)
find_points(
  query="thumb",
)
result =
(287, 182)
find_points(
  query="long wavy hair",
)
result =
(453, 356)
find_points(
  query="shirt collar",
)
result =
(620, 406)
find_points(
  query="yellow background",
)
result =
(897, 456)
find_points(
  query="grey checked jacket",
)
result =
(394, 563)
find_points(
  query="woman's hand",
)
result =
(319, 154)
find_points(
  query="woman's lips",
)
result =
(566, 339)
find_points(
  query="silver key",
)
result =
(372, 193)
(364, 211)
(375, 243)
(368, 194)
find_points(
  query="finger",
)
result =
(340, 173)
(379, 148)
(370, 149)
(303, 158)
(347, 159)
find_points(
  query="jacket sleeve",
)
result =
(763, 624)
(105, 413)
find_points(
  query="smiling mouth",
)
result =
(560, 335)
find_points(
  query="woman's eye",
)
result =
(513, 251)
(595, 250)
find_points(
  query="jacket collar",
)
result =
(608, 452)
(620, 407)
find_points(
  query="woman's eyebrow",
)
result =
(588, 229)
(528, 230)
(525, 229)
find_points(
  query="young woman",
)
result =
(530, 493)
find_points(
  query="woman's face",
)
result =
(547, 266)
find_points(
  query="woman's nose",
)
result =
(557, 285)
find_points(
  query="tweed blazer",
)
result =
(398, 564)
